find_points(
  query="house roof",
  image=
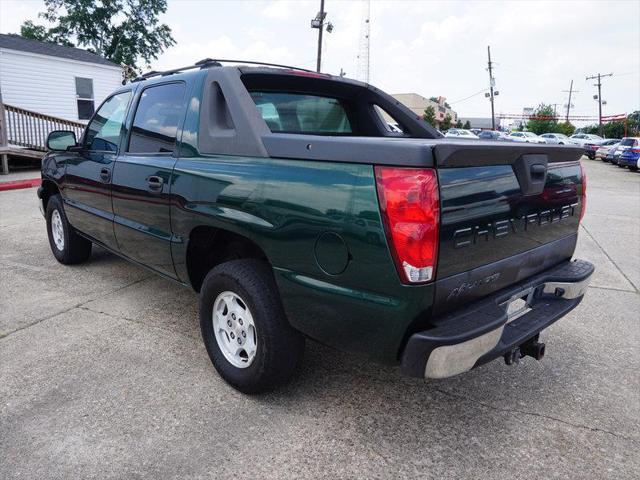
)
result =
(12, 41)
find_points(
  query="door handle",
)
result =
(154, 182)
(105, 174)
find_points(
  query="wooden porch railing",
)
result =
(30, 129)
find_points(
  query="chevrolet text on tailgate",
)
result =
(285, 199)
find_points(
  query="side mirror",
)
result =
(61, 140)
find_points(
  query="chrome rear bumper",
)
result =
(485, 330)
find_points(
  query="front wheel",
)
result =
(66, 245)
(244, 327)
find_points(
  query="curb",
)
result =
(17, 184)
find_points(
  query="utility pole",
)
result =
(321, 15)
(599, 76)
(491, 84)
(570, 91)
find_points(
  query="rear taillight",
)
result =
(583, 195)
(410, 207)
(635, 150)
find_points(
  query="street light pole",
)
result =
(321, 15)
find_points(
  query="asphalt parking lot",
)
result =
(103, 374)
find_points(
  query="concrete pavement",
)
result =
(103, 375)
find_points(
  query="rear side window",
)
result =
(301, 113)
(628, 142)
(155, 124)
(388, 122)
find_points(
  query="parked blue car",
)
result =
(630, 157)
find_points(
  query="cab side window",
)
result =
(156, 121)
(104, 130)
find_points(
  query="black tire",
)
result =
(279, 346)
(620, 166)
(633, 169)
(75, 249)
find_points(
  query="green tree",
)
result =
(429, 116)
(546, 122)
(459, 124)
(614, 129)
(590, 129)
(633, 124)
(466, 125)
(41, 33)
(123, 31)
(566, 128)
(446, 123)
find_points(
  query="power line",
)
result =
(470, 96)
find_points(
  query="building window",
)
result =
(84, 98)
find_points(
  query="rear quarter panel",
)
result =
(285, 207)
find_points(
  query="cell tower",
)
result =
(363, 52)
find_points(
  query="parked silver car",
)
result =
(526, 137)
(558, 139)
(460, 133)
(582, 138)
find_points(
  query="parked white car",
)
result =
(582, 138)
(526, 137)
(558, 139)
(460, 133)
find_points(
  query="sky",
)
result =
(427, 47)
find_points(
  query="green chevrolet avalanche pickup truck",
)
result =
(285, 198)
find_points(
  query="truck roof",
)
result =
(245, 66)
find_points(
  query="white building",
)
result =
(64, 82)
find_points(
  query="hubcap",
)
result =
(57, 230)
(234, 329)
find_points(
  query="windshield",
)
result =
(627, 142)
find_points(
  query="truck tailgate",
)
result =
(507, 212)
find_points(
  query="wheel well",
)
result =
(210, 246)
(49, 188)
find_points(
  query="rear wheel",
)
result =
(66, 245)
(244, 328)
